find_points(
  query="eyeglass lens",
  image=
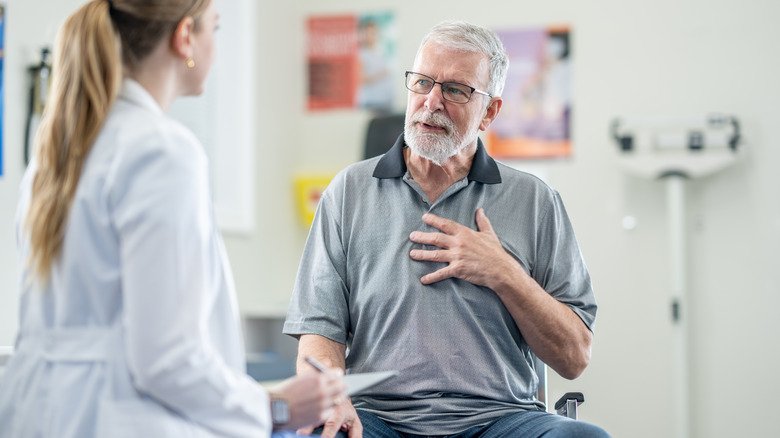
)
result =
(452, 91)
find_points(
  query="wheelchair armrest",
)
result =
(567, 405)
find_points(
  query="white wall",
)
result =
(30, 25)
(631, 57)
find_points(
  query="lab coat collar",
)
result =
(135, 93)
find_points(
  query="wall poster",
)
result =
(535, 120)
(351, 61)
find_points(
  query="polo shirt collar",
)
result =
(483, 168)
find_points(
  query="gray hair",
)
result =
(472, 38)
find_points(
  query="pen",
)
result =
(316, 364)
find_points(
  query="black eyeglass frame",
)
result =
(443, 84)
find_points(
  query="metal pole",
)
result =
(675, 195)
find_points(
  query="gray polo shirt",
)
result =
(462, 360)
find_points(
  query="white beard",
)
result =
(435, 147)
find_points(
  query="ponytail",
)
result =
(93, 47)
(87, 75)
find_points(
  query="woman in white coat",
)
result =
(128, 315)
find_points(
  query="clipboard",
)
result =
(357, 383)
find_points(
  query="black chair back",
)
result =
(382, 133)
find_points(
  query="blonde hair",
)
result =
(92, 48)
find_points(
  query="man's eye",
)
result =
(455, 91)
(423, 83)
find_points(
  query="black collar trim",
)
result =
(392, 165)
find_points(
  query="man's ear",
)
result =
(491, 113)
(181, 40)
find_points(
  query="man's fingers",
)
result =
(483, 223)
(429, 255)
(331, 427)
(445, 225)
(355, 429)
(330, 430)
(435, 276)
(435, 239)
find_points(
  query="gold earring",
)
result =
(189, 62)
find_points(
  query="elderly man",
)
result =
(438, 262)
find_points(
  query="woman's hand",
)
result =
(311, 397)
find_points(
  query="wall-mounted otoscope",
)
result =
(40, 79)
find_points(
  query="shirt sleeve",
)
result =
(162, 215)
(319, 303)
(561, 269)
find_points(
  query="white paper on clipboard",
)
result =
(361, 381)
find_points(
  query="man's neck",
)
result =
(435, 179)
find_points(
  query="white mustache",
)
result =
(435, 119)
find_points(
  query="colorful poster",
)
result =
(535, 120)
(350, 62)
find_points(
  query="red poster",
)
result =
(333, 62)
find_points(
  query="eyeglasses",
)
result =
(451, 91)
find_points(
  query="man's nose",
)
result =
(434, 100)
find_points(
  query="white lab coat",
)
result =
(137, 332)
